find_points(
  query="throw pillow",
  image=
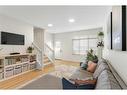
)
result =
(91, 66)
(84, 66)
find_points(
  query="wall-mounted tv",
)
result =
(12, 39)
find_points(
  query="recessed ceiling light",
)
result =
(71, 20)
(50, 25)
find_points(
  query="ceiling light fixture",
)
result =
(50, 25)
(71, 20)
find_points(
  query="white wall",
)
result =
(12, 25)
(118, 59)
(66, 42)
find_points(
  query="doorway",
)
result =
(58, 50)
(39, 46)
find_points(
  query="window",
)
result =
(80, 46)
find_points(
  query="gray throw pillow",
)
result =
(84, 66)
(100, 68)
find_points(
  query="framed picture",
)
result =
(119, 28)
(109, 31)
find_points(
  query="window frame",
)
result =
(79, 44)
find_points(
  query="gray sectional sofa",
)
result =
(107, 77)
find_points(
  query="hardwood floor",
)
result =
(24, 78)
(58, 62)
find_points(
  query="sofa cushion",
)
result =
(101, 61)
(100, 67)
(113, 82)
(106, 81)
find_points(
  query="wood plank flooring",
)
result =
(24, 78)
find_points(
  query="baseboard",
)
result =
(57, 59)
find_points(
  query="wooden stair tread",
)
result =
(45, 61)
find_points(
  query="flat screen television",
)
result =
(12, 39)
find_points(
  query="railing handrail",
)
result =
(49, 47)
(51, 50)
(40, 52)
(39, 49)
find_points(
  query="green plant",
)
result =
(91, 56)
(100, 44)
(30, 49)
(100, 34)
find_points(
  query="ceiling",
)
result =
(85, 16)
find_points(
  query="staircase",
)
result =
(46, 61)
(44, 58)
(39, 53)
(48, 55)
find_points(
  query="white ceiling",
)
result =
(40, 16)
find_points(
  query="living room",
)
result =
(59, 43)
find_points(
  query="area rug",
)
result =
(44, 82)
(51, 80)
(63, 71)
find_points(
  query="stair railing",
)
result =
(49, 52)
(39, 56)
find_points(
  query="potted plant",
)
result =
(100, 44)
(30, 49)
(101, 34)
(91, 56)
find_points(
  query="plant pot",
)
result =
(29, 51)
